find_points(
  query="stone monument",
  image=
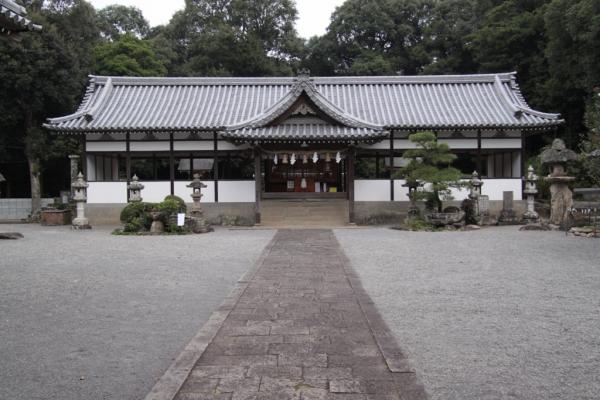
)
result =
(508, 216)
(80, 197)
(556, 158)
(157, 225)
(135, 190)
(196, 213)
(530, 216)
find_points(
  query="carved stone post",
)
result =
(530, 216)
(80, 197)
(557, 158)
(135, 190)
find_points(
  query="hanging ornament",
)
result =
(304, 159)
(285, 159)
(275, 159)
(327, 157)
(315, 157)
(303, 184)
(293, 159)
(338, 157)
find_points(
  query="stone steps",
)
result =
(304, 213)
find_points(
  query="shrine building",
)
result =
(256, 140)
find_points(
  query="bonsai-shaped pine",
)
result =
(430, 164)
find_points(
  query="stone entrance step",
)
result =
(302, 213)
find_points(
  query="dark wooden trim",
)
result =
(479, 155)
(216, 165)
(392, 194)
(128, 160)
(171, 164)
(350, 175)
(257, 185)
(84, 159)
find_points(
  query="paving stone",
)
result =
(299, 332)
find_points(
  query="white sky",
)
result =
(313, 14)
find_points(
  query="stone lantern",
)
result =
(530, 216)
(475, 189)
(197, 185)
(135, 190)
(557, 158)
(196, 213)
(80, 197)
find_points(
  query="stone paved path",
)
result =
(301, 330)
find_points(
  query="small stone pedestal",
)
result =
(157, 225)
(196, 213)
(80, 197)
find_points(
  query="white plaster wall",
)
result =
(501, 143)
(190, 145)
(105, 146)
(495, 187)
(186, 193)
(400, 192)
(155, 191)
(372, 190)
(460, 143)
(404, 144)
(149, 146)
(236, 192)
(107, 193)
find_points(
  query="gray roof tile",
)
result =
(241, 105)
(12, 18)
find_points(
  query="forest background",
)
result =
(553, 45)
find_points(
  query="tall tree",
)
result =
(379, 37)
(573, 52)
(128, 56)
(232, 37)
(42, 75)
(116, 20)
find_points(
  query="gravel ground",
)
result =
(87, 315)
(490, 314)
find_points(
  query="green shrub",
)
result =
(137, 215)
(168, 208)
(179, 200)
(418, 224)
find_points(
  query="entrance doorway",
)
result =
(305, 178)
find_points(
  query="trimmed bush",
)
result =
(179, 200)
(137, 215)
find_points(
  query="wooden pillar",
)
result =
(216, 165)
(171, 164)
(350, 175)
(128, 160)
(392, 194)
(257, 185)
(479, 156)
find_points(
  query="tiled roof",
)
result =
(12, 18)
(304, 132)
(377, 103)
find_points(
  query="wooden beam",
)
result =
(171, 164)
(216, 165)
(350, 175)
(257, 185)
(392, 194)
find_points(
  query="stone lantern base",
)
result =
(81, 223)
(199, 224)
